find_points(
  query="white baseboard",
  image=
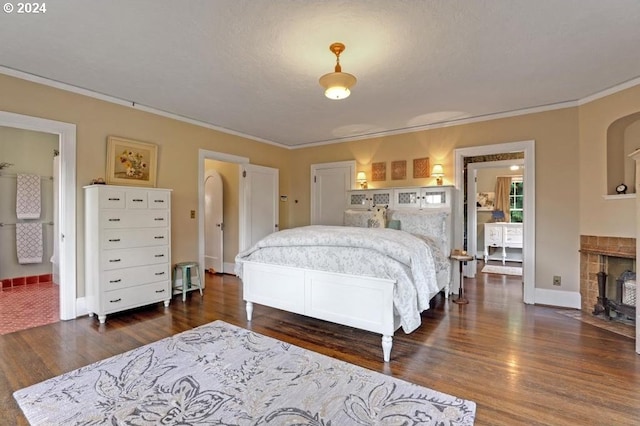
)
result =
(559, 298)
(229, 268)
(81, 307)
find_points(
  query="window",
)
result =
(516, 199)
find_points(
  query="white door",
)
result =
(213, 222)
(259, 194)
(329, 185)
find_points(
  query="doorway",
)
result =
(528, 249)
(66, 187)
(250, 206)
(213, 222)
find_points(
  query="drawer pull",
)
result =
(159, 255)
(160, 291)
(115, 300)
(114, 199)
(137, 200)
(115, 281)
(159, 273)
(114, 260)
(160, 237)
(114, 240)
(114, 220)
(159, 218)
(158, 201)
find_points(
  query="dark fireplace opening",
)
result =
(607, 278)
(616, 289)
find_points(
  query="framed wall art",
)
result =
(379, 171)
(421, 168)
(399, 170)
(131, 162)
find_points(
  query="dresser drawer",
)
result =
(158, 200)
(137, 199)
(126, 258)
(112, 199)
(133, 219)
(132, 297)
(126, 238)
(131, 277)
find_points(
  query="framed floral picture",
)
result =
(131, 162)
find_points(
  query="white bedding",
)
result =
(415, 263)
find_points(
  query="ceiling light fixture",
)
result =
(337, 84)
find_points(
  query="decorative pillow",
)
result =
(379, 219)
(357, 218)
(393, 224)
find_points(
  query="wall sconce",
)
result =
(438, 173)
(361, 177)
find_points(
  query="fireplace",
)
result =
(607, 276)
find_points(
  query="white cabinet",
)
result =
(422, 198)
(399, 198)
(502, 235)
(367, 198)
(127, 248)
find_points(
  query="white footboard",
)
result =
(356, 301)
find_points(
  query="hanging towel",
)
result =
(28, 197)
(29, 242)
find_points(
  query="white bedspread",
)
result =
(385, 253)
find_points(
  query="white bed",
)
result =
(377, 280)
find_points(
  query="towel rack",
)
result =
(13, 224)
(14, 176)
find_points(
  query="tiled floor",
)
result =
(28, 306)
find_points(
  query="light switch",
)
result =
(193, 214)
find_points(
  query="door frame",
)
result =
(66, 133)
(204, 154)
(529, 234)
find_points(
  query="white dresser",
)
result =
(503, 235)
(127, 248)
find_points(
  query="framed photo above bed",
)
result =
(131, 162)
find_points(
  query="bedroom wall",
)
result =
(557, 180)
(177, 156)
(599, 216)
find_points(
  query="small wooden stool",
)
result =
(461, 258)
(188, 278)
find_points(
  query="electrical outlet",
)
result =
(193, 214)
(557, 280)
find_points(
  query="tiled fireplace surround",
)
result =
(591, 249)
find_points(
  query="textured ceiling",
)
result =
(252, 66)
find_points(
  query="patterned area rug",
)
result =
(222, 374)
(505, 270)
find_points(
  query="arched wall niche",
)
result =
(623, 138)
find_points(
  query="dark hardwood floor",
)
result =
(522, 364)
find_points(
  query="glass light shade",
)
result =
(337, 84)
(437, 171)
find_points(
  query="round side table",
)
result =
(461, 258)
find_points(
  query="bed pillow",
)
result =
(428, 223)
(357, 218)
